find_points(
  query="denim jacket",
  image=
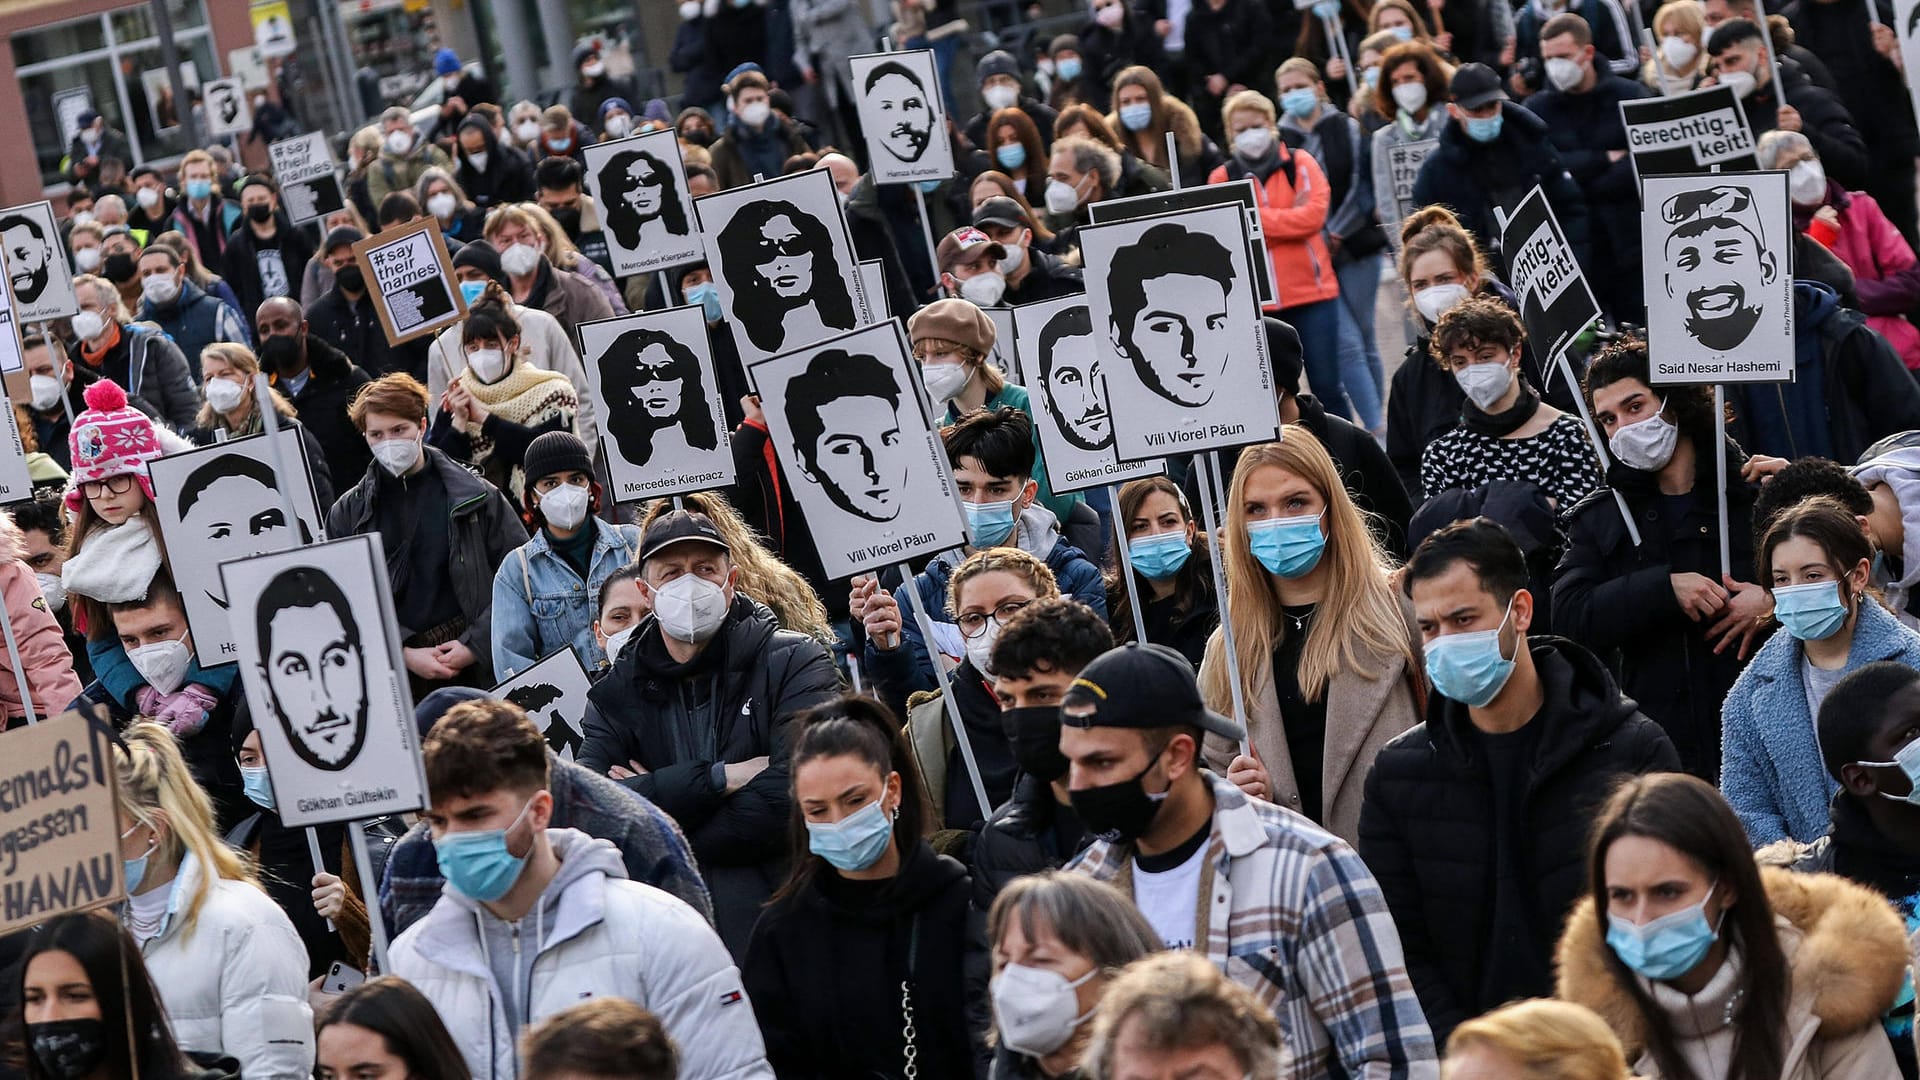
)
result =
(540, 603)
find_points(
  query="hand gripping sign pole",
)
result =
(1337, 46)
(925, 622)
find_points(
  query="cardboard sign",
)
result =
(554, 694)
(1556, 303)
(1688, 133)
(854, 432)
(1069, 392)
(1244, 193)
(309, 183)
(320, 657)
(640, 186)
(37, 272)
(1173, 296)
(59, 825)
(15, 483)
(653, 380)
(903, 116)
(784, 263)
(1403, 165)
(1719, 277)
(411, 281)
(222, 502)
(228, 112)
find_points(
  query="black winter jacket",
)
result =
(1023, 837)
(239, 264)
(1874, 92)
(1823, 120)
(322, 405)
(1230, 42)
(508, 177)
(1584, 129)
(1472, 178)
(1427, 827)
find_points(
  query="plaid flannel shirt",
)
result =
(1291, 913)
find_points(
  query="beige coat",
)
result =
(1848, 953)
(1363, 715)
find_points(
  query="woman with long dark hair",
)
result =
(1709, 968)
(788, 289)
(1172, 570)
(860, 964)
(657, 403)
(384, 1028)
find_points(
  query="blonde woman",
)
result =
(226, 384)
(566, 256)
(762, 576)
(1536, 1039)
(1330, 663)
(226, 960)
(1680, 59)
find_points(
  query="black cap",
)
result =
(997, 62)
(676, 527)
(482, 256)
(1000, 212)
(342, 236)
(1143, 686)
(1283, 349)
(1475, 86)
(555, 452)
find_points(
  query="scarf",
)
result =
(1499, 425)
(94, 355)
(527, 396)
(115, 564)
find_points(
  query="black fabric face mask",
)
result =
(69, 1049)
(351, 279)
(1034, 733)
(280, 353)
(1123, 810)
(260, 213)
(119, 267)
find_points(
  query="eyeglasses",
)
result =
(974, 623)
(118, 485)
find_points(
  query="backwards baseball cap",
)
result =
(1475, 86)
(963, 244)
(679, 527)
(1142, 686)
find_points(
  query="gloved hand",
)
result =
(184, 712)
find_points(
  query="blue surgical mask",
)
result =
(1011, 156)
(1288, 546)
(1810, 612)
(1300, 103)
(988, 524)
(136, 869)
(927, 187)
(1136, 117)
(1326, 9)
(1469, 668)
(1068, 69)
(1667, 947)
(1159, 556)
(1403, 33)
(856, 841)
(707, 295)
(257, 787)
(1484, 129)
(1907, 760)
(470, 291)
(560, 146)
(198, 190)
(478, 863)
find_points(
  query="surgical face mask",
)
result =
(619, 126)
(1402, 33)
(1136, 117)
(471, 291)
(1069, 68)
(1299, 103)
(754, 114)
(1436, 300)
(565, 507)
(162, 664)
(1470, 668)
(1907, 760)
(1124, 810)
(89, 325)
(984, 290)
(707, 295)
(1410, 96)
(397, 455)
(53, 589)
(1110, 16)
(1000, 96)
(1289, 546)
(1741, 82)
(560, 144)
(1045, 65)
(87, 259)
(618, 640)
(1016, 258)
(442, 205)
(1253, 143)
(945, 381)
(988, 524)
(690, 608)
(1484, 129)
(520, 260)
(593, 69)
(83, 217)
(46, 392)
(527, 130)
(1563, 73)
(1678, 52)
(979, 647)
(1807, 183)
(1035, 1011)
(399, 142)
(1667, 947)
(478, 864)
(225, 395)
(690, 10)
(199, 190)
(256, 786)
(147, 197)
(1810, 612)
(487, 365)
(159, 288)
(478, 161)
(69, 1049)
(1484, 383)
(1010, 156)
(1062, 197)
(856, 841)
(1326, 9)
(1159, 556)
(1646, 445)
(135, 870)
(1370, 77)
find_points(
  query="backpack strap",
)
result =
(526, 581)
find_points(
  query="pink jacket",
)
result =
(43, 649)
(1886, 275)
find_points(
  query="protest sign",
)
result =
(37, 270)
(411, 280)
(309, 184)
(68, 106)
(227, 110)
(1403, 166)
(59, 825)
(640, 186)
(222, 502)
(554, 694)
(873, 279)
(853, 430)
(12, 360)
(1556, 303)
(903, 115)
(1173, 296)
(1719, 277)
(1005, 353)
(1234, 192)
(1906, 25)
(272, 27)
(653, 382)
(1069, 392)
(320, 657)
(1688, 133)
(15, 483)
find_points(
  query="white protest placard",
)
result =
(228, 112)
(640, 186)
(411, 281)
(1241, 192)
(1173, 297)
(1069, 392)
(1688, 133)
(1556, 303)
(903, 115)
(68, 104)
(37, 270)
(853, 431)
(59, 821)
(1719, 277)
(309, 183)
(1906, 24)
(554, 694)
(222, 502)
(873, 281)
(1403, 166)
(15, 482)
(1005, 353)
(784, 263)
(653, 382)
(320, 657)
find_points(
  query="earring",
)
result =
(895, 816)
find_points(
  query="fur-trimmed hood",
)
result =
(1848, 963)
(1188, 139)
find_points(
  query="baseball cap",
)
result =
(999, 212)
(1143, 686)
(1475, 86)
(963, 244)
(678, 527)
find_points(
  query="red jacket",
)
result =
(1886, 276)
(43, 649)
(1293, 214)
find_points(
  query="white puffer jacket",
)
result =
(238, 984)
(599, 935)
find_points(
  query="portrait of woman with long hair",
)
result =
(638, 192)
(656, 399)
(788, 287)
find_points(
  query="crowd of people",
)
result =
(1510, 724)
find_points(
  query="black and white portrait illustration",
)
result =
(227, 110)
(653, 380)
(16, 482)
(640, 187)
(1235, 192)
(1173, 297)
(221, 502)
(851, 427)
(903, 116)
(37, 270)
(783, 262)
(554, 694)
(325, 681)
(1069, 391)
(1719, 277)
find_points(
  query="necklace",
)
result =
(1300, 621)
